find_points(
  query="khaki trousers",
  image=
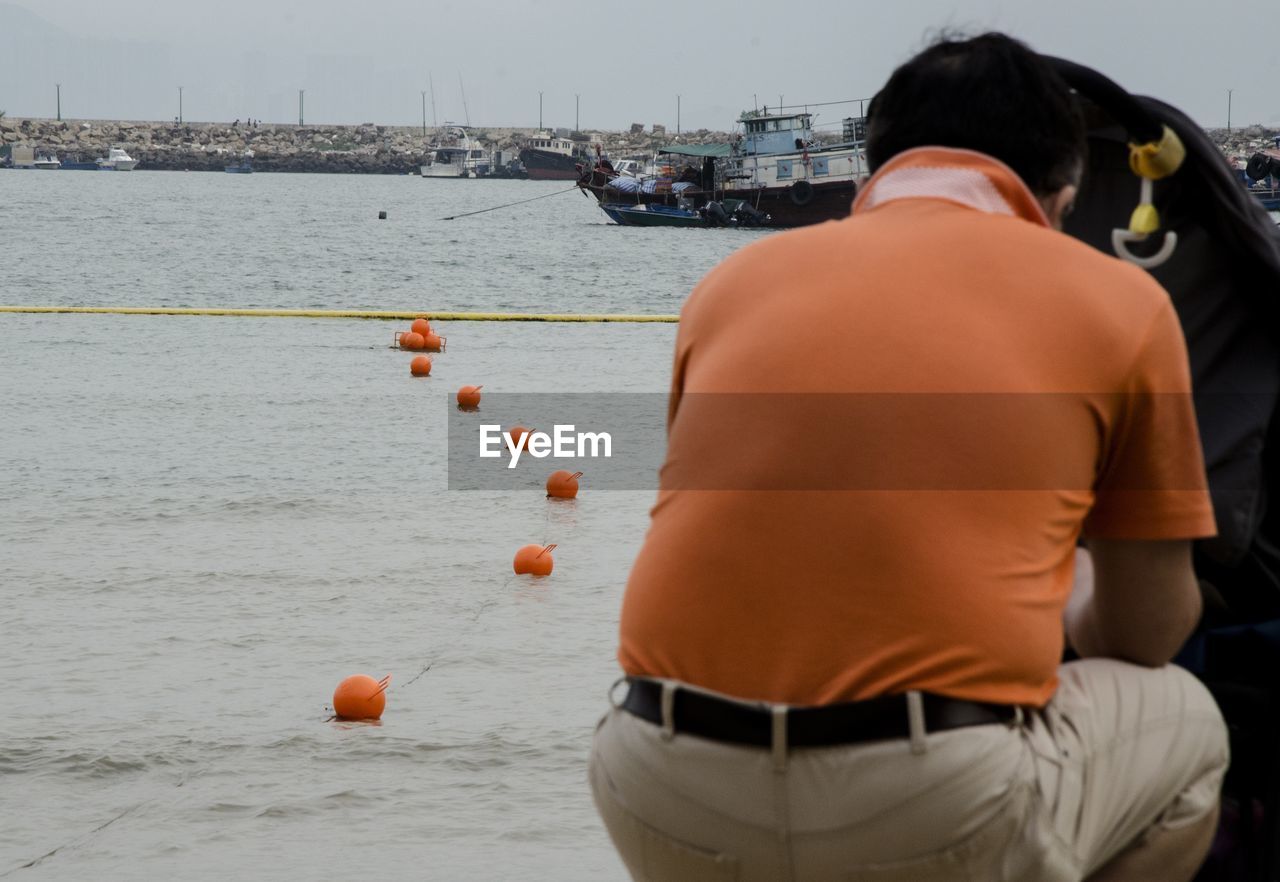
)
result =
(1119, 751)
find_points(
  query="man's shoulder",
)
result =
(786, 253)
(1103, 282)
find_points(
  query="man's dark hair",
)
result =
(990, 93)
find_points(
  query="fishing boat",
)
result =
(456, 155)
(547, 158)
(777, 166)
(117, 160)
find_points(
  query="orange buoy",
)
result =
(432, 342)
(420, 366)
(516, 433)
(563, 485)
(360, 697)
(534, 560)
(420, 326)
(469, 397)
(412, 342)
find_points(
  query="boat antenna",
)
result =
(465, 111)
(435, 123)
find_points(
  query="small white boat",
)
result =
(117, 160)
(46, 161)
(456, 156)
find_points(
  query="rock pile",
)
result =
(365, 148)
(1241, 143)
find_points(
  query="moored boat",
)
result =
(730, 213)
(546, 158)
(46, 161)
(777, 167)
(652, 215)
(117, 160)
(456, 155)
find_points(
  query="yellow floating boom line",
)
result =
(374, 314)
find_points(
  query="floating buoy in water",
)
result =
(432, 342)
(469, 397)
(360, 697)
(420, 366)
(516, 433)
(413, 342)
(534, 560)
(382, 215)
(420, 326)
(563, 485)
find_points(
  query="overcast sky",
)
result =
(358, 62)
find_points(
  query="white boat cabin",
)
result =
(764, 132)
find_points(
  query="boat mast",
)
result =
(435, 123)
(465, 111)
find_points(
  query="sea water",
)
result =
(206, 523)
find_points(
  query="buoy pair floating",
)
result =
(536, 560)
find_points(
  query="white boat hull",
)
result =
(436, 170)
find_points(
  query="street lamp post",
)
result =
(424, 113)
(179, 105)
(1229, 91)
(576, 98)
(677, 116)
(539, 111)
(301, 92)
(59, 88)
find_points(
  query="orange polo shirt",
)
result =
(887, 434)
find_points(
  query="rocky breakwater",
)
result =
(365, 148)
(1240, 143)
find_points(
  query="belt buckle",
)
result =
(612, 694)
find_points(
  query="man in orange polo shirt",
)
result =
(842, 633)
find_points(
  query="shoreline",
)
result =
(282, 147)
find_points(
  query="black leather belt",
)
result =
(876, 719)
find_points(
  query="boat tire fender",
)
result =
(802, 192)
(1259, 166)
